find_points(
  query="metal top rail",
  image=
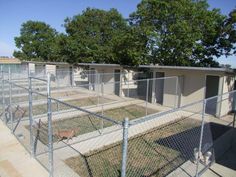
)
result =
(139, 80)
(158, 115)
(89, 112)
(36, 78)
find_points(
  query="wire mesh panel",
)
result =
(77, 130)
(84, 77)
(167, 143)
(76, 135)
(17, 112)
(222, 115)
(62, 77)
(7, 116)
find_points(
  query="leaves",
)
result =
(167, 32)
(183, 32)
(36, 42)
(94, 34)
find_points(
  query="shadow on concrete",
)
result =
(228, 158)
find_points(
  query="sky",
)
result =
(53, 12)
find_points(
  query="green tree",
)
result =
(184, 32)
(93, 35)
(37, 42)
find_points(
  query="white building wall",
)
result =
(31, 67)
(105, 75)
(40, 70)
(63, 75)
(191, 88)
(50, 69)
(227, 99)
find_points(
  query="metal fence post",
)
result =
(234, 109)
(72, 77)
(176, 92)
(50, 131)
(3, 98)
(234, 119)
(124, 146)
(10, 98)
(102, 121)
(97, 87)
(147, 93)
(33, 151)
(128, 89)
(201, 136)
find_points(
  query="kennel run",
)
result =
(108, 132)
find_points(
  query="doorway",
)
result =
(117, 82)
(159, 87)
(92, 79)
(212, 89)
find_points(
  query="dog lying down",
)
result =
(65, 134)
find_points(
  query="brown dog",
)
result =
(68, 134)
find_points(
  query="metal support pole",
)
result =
(176, 92)
(234, 108)
(3, 99)
(10, 98)
(128, 89)
(147, 93)
(234, 119)
(97, 87)
(50, 131)
(72, 77)
(33, 150)
(124, 146)
(102, 121)
(57, 107)
(57, 80)
(201, 136)
(89, 80)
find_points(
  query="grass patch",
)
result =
(85, 123)
(42, 108)
(149, 154)
(18, 99)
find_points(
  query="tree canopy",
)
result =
(36, 42)
(93, 35)
(165, 32)
(183, 32)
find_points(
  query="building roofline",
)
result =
(9, 61)
(99, 64)
(189, 68)
(47, 63)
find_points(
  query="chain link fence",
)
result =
(126, 128)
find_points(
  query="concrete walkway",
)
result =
(15, 161)
(217, 170)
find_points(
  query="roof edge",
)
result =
(189, 68)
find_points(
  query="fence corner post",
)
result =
(50, 131)
(124, 146)
(30, 94)
(10, 98)
(201, 136)
(3, 96)
(177, 97)
(147, 95)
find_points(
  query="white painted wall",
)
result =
(63, 75)
(31, 67)
(107, 76)
(193, 88)
(227, 99)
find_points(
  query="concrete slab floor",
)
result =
(15, 161)
(225, 166)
